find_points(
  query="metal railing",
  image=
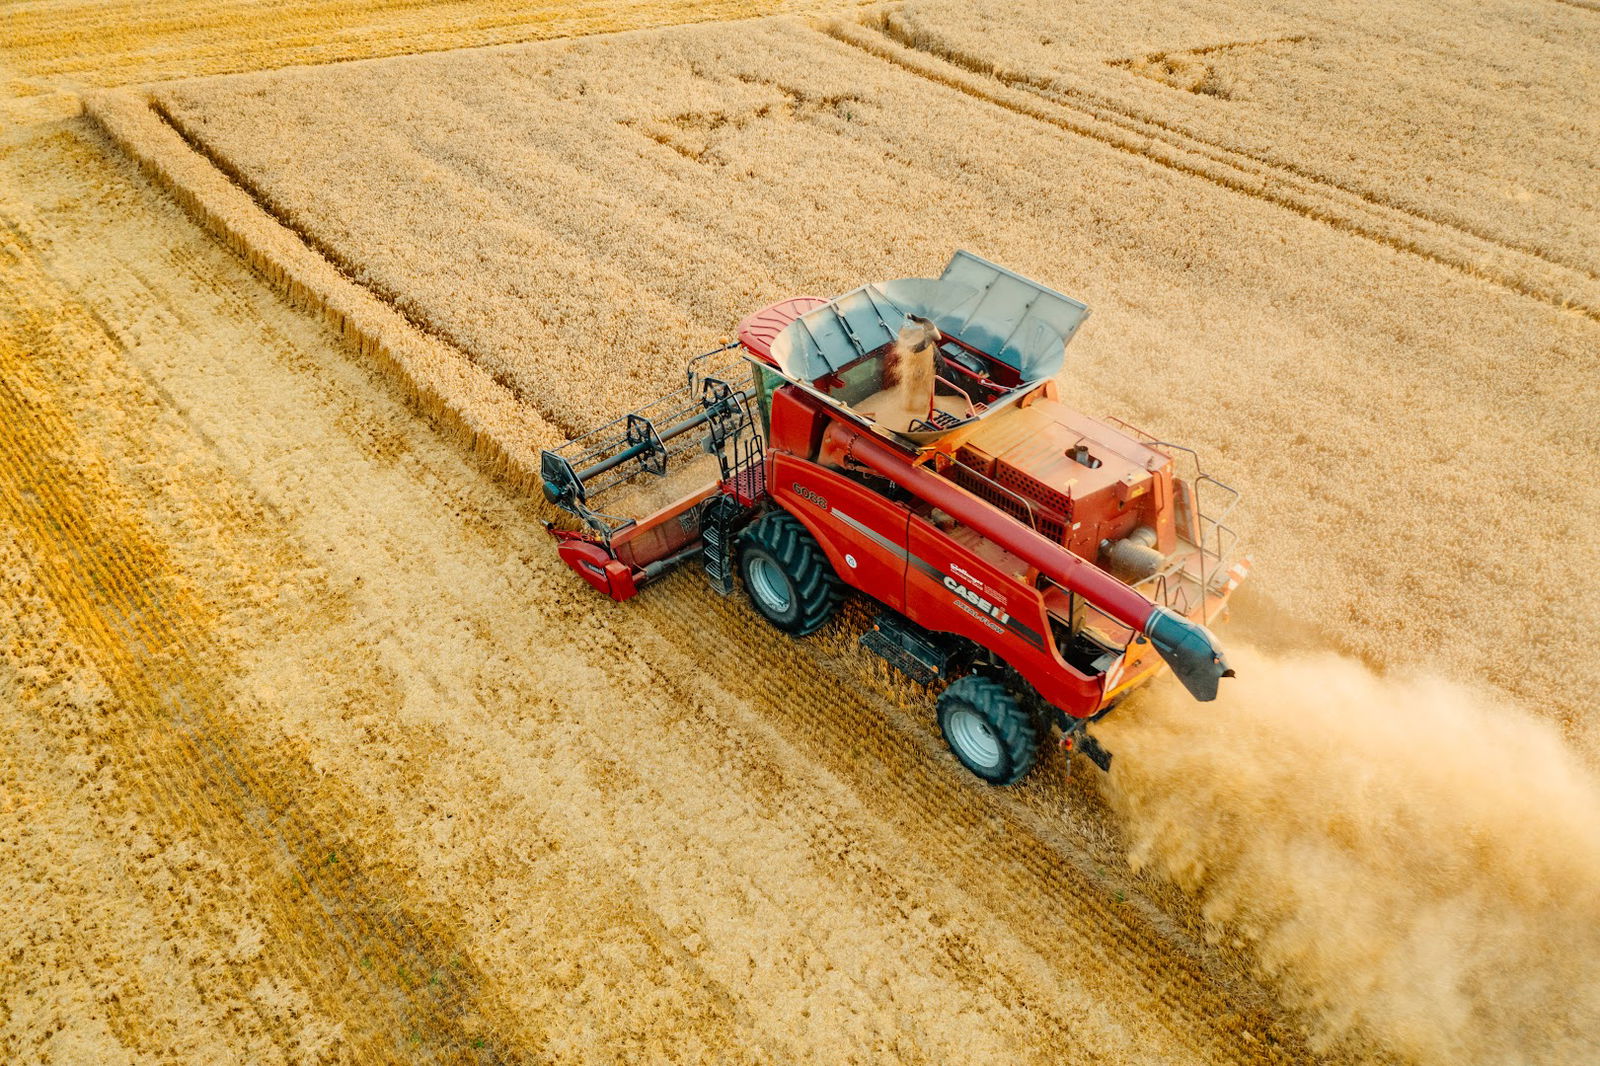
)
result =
(1013, 503)
(1215, 540)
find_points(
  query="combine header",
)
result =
(907, 440)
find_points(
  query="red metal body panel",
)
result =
(902, 560)
(862, 532)
(798, 423)
(1055, 562)
(758, 329)
(597, 566)
(620, 571)
(976, 579)
(953, 589)
(899, 559)
(662, 534)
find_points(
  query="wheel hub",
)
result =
(974, 738)
(769, 583)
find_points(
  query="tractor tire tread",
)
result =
(816, 587)
(1018, 733)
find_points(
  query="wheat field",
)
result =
(318, 753)
(1379, 410)
(51, 45)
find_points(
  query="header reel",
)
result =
(656, 437)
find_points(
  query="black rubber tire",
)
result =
(982, 703)
(781, 551)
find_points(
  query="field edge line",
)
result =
(441, 380)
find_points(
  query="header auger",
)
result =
(906, 440)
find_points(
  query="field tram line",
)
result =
(1096, 95)
(1444, 243)
(59, 52)
(841, 718)
(110, 587)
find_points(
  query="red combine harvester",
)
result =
(907, 440)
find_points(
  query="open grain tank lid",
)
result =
(1003, 314)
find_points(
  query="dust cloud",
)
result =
(1415, 862)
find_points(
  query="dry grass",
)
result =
(51, 44)
(1416, 445)
(1480, 121)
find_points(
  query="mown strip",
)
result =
(338, 924)
(445, 385)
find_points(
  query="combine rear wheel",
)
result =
(988, 730)
(788, 578)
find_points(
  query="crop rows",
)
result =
(627, 842)
(1475, 122)
(1080, 101)
(1277, 344)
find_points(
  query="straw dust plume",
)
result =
(1413, 861)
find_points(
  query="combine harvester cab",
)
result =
(907, 440)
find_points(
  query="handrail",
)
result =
(1207, 527)
(1033, 521)
(972, 409)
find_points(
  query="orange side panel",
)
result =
(664, 533)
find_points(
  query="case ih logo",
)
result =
(973, 581)
(809, 495)
(997, 613)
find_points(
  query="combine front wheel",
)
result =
(988, 730)
(788, 578)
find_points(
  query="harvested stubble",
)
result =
(95, 42)
(1416, 447)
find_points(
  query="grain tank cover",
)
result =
(1005, 315)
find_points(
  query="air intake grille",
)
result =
(1032, 488)
(1046, 520)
